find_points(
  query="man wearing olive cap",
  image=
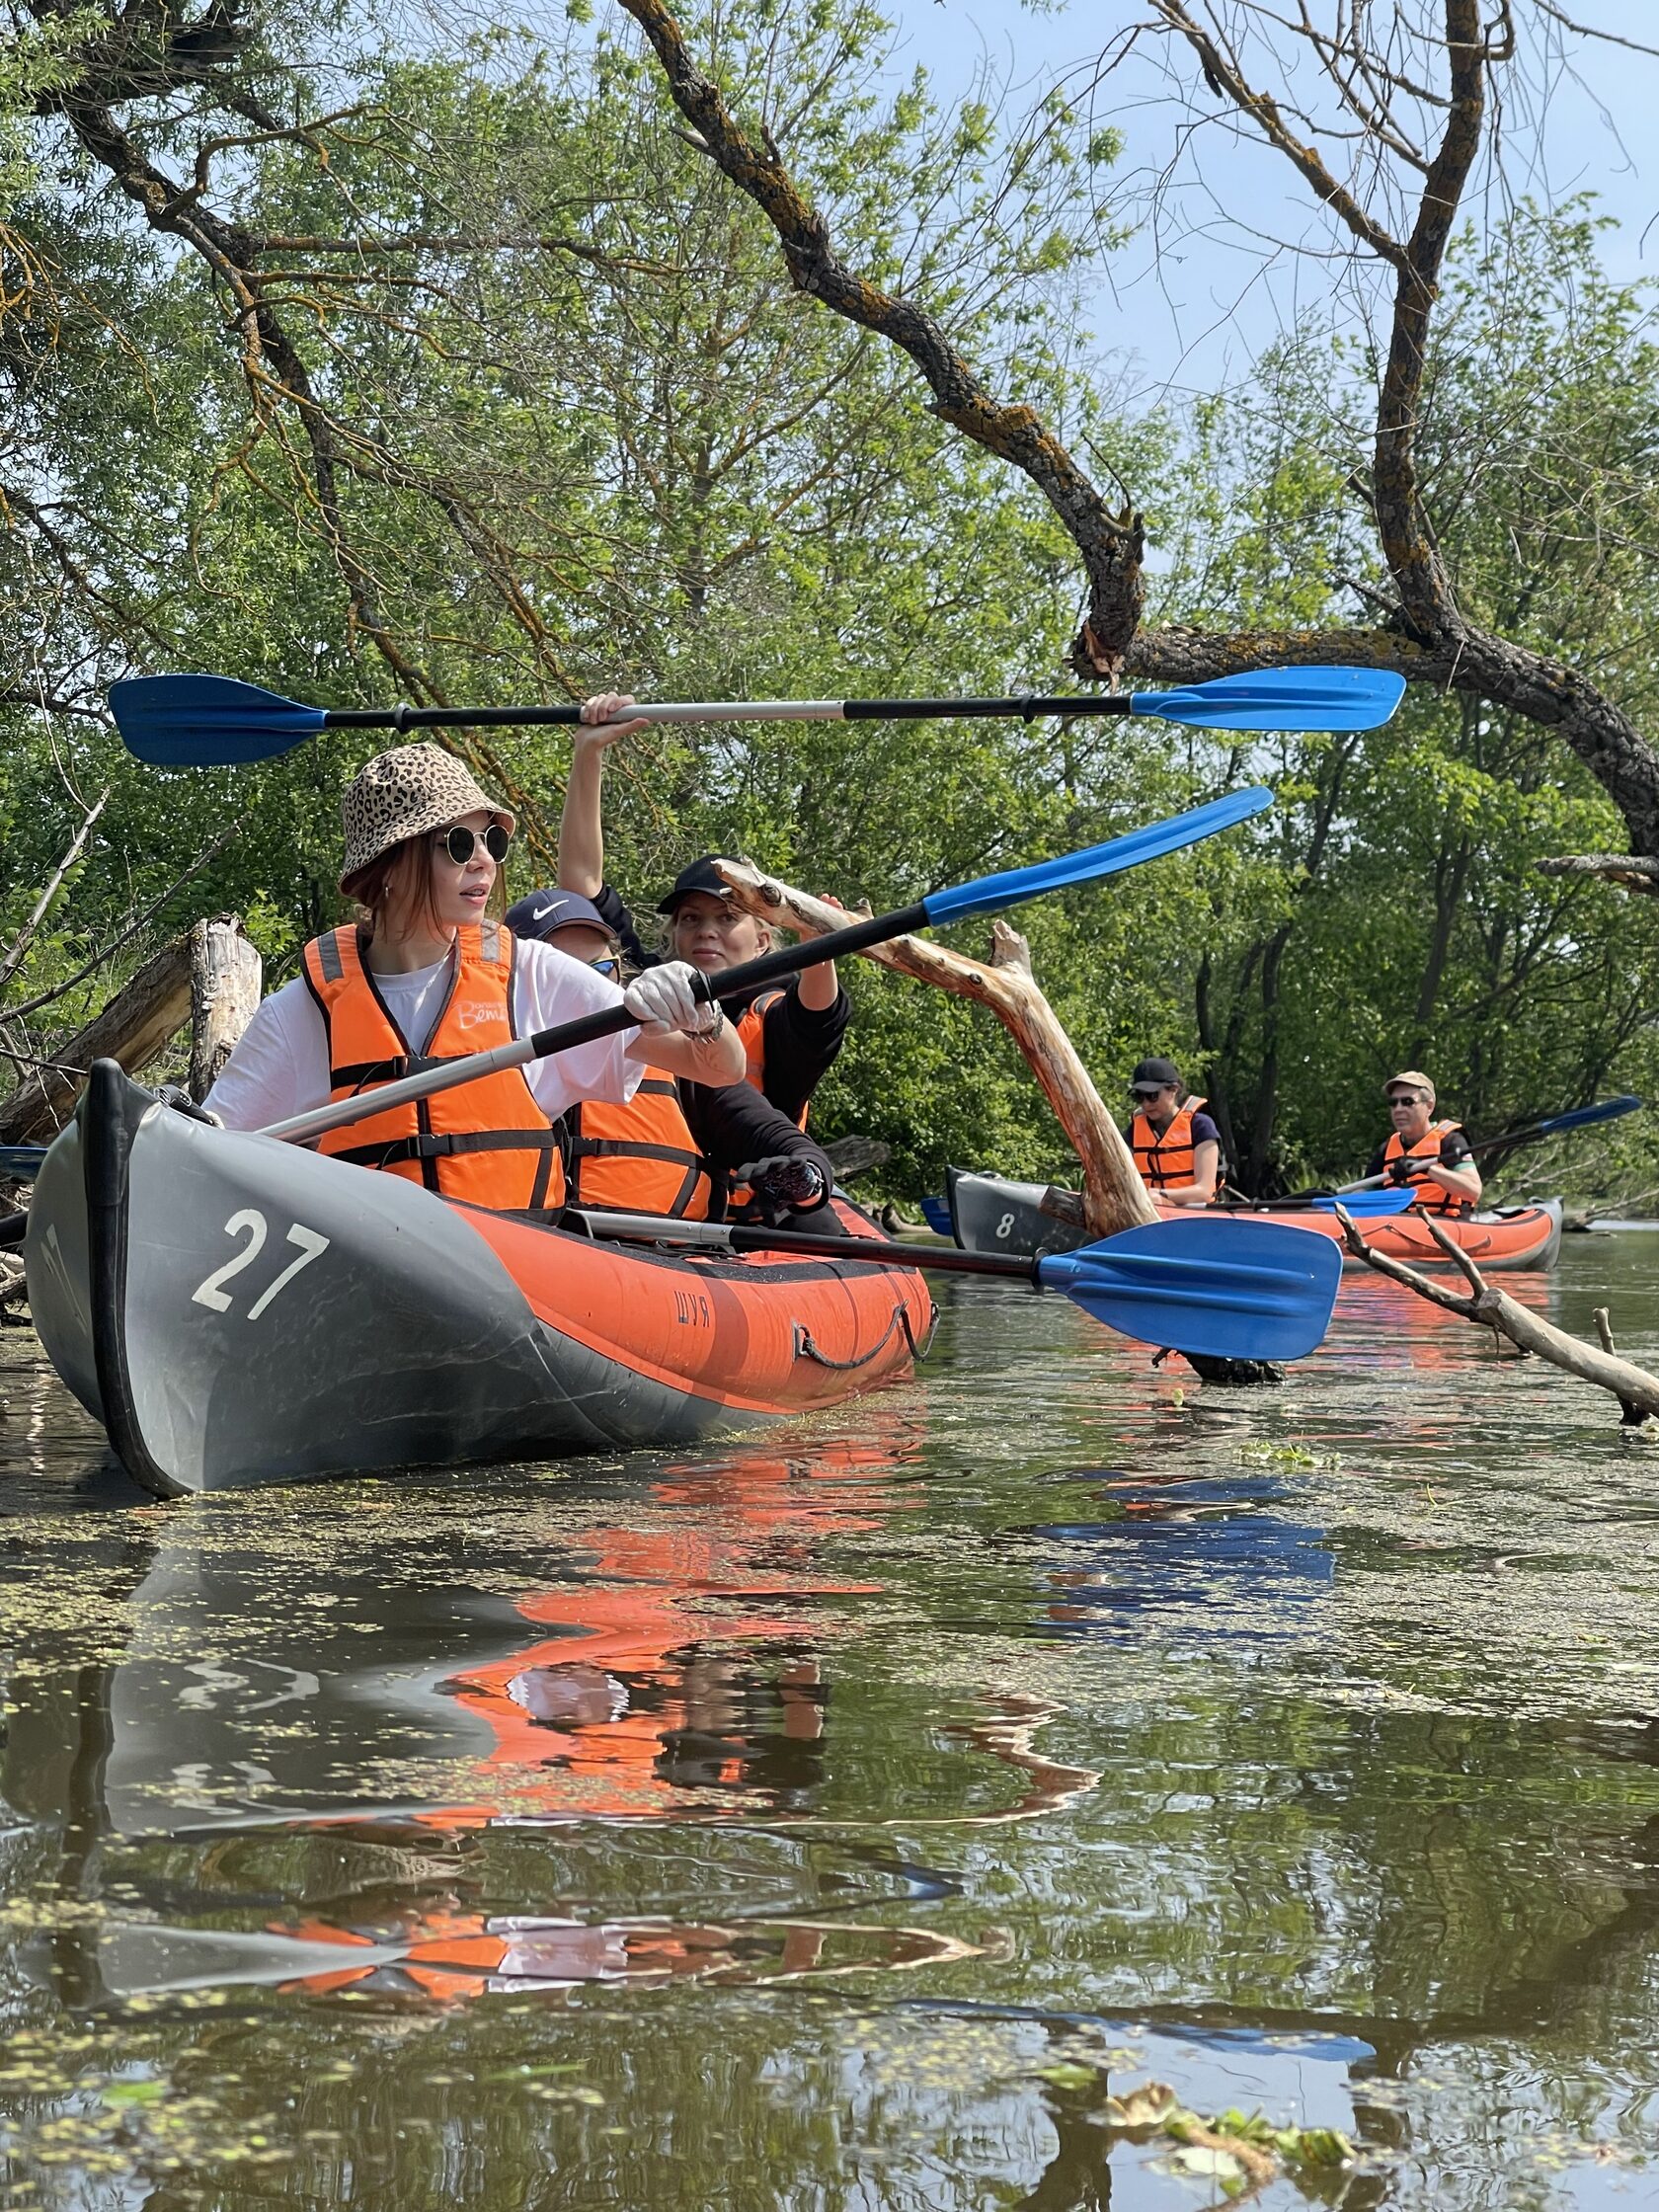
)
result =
(1432, 1155)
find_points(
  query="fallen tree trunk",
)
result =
(1636, 1390)
(1114, 1196)
(133, 1028)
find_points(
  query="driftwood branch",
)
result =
(1114, 1196)
(1636, 1390)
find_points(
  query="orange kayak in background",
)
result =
(990, 1214)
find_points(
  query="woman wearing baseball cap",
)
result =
(1177, 1148)
(792, 1036)
(427, 975)
(685, 1150)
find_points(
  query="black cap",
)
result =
(1156, 1072)
(700, 876)
(539, 912)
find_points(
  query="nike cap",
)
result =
(539, 912)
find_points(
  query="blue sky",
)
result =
(1188, 316)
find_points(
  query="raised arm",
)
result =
(581, 823)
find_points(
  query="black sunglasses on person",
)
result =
(460, 842)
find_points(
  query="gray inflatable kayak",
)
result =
(237, 1310)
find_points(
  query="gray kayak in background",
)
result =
(236, 1311)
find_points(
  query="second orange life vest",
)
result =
(1165, 1161)
(751, 1029)
(638, 1159)
(486, 1141)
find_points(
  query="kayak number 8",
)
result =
(1005, 1225)
(252, 1225)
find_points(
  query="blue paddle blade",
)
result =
(1281, 699)
(990, 893)
(1365, 1205)
(21, 1162)
(204, 721)
(1227, 1289)
(1604, 1110)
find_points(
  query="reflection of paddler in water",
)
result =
(683, 1677)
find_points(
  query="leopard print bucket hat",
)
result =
(401, 794)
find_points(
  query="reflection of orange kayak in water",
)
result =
(684, 1677)
(450, 1956)
(681, 1675)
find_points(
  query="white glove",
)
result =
(664, 999)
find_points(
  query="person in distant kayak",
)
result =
(1177, 1148)
(677, 1149)
(429, 975)
(1432, 1155)
(792, 1036)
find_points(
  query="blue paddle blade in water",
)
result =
(1281, 699)
(183, 720)
(1227, 1289)
(990, 893)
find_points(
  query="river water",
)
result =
(841, 1820)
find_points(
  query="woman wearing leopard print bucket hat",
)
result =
(427, 975)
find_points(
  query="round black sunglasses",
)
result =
(460, 842)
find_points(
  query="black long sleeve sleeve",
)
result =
(732, 1125)
(802, 1045)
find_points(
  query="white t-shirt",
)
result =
(281, 1062)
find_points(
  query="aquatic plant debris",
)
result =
(1231, 2148)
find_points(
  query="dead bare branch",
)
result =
(1110, 545)
(19, 947)
(1631, 871)
(1636, 1390)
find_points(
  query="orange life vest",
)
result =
(487, 1142)
(638, 1159)
(1432, 1198)
(752, 1028)
(1168, 1160)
